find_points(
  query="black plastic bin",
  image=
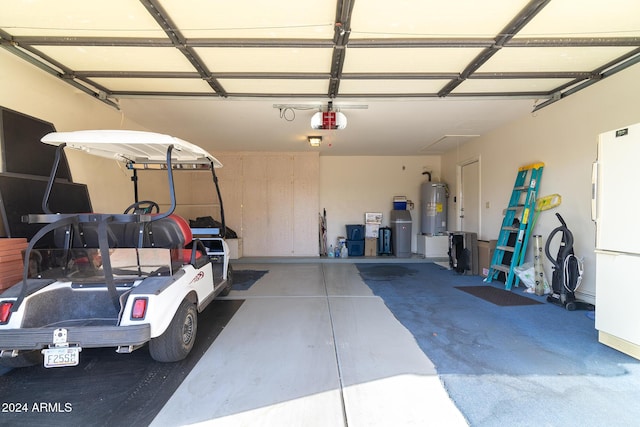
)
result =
(384, 241)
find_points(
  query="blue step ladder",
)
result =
(517, 219)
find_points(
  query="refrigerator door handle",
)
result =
(594, 191)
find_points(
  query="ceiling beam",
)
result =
(530, 75)
(421, 43)
(139, 74)
(93, 41)
(323, 43)
(484, 76)
(249, 95)
(54, 68)
(179, 42)
(322, 76)
(341, 33)
(507, 33)
(573, 42)
(603, 72)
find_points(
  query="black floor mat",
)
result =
(498, 296)
(385, 272)
(244, 279)
(106, 388)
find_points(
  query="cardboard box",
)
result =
(373, 218)
(485, 254)
(371, 231)
(370, 246)
(235, 248)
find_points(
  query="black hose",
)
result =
(567, 239)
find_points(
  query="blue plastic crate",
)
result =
(355, 247)
(355, 232)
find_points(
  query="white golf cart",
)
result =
(117, 279)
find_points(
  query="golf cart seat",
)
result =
(171, 232)
(85, 235)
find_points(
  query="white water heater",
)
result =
(433, 217)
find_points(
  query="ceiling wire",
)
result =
(288, 114)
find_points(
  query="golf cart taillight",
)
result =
(5, 311)
(139, 308)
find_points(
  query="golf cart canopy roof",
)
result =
(135, 148)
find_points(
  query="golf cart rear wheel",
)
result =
(177, 341)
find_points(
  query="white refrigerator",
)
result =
(615, 210)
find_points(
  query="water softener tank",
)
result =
(433, 219)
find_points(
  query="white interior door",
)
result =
(470, 197)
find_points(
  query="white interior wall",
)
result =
(29, 90)
(564, 136)
(351, 186)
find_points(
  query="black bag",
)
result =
(209, 222)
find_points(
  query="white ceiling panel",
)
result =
(580, 18)
(285, 60)
(508, 85)
(495, 58)
(121, 58)
(255, 19)
(406, 60)
(283, 87)
(154, 85)
(354, 87)
(78, 18)
(552, 59)
(431, 18)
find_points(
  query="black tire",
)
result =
(227, 288)
(177, 341)
(22, 360)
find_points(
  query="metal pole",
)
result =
(537, 264)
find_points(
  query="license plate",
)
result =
(60, 357)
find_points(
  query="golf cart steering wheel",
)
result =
(143, 207)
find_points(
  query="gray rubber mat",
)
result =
(497, 296)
